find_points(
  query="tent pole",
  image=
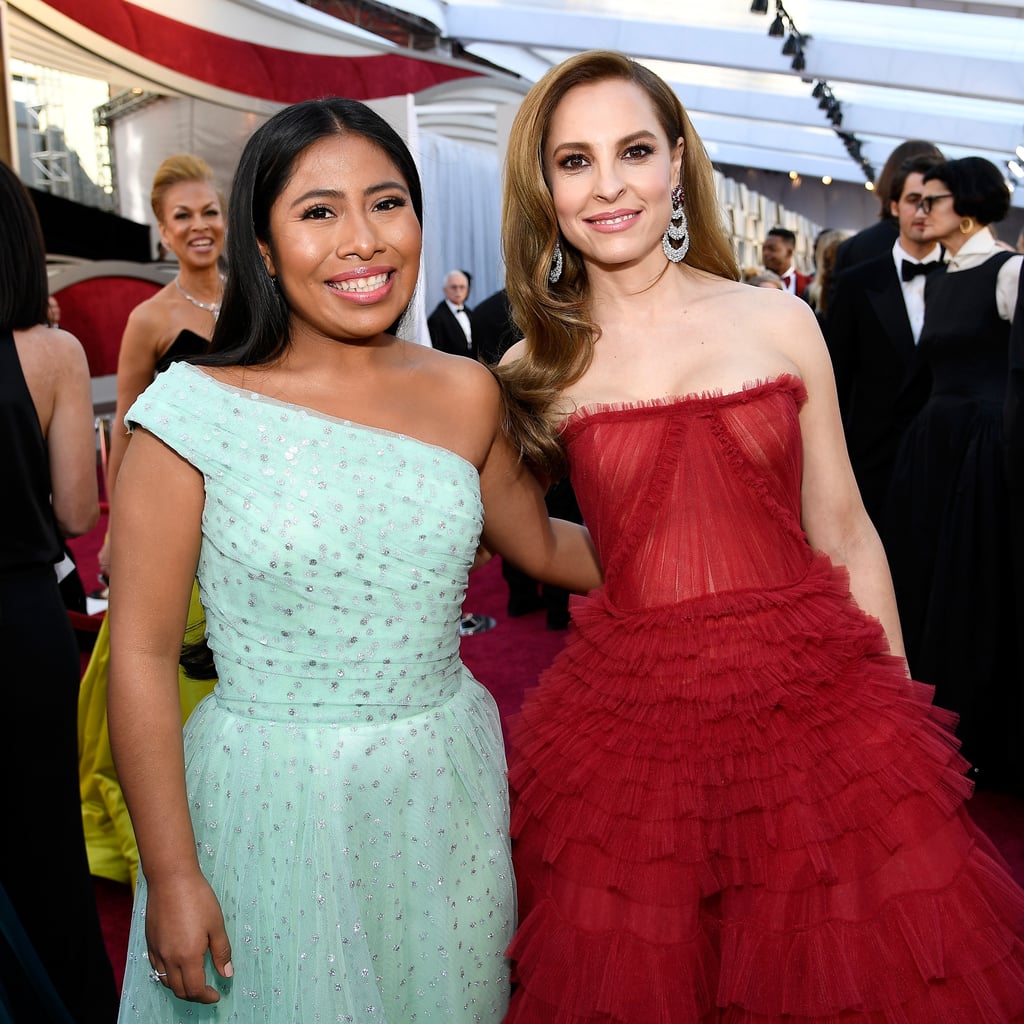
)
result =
(8, 139)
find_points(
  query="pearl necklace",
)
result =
(210, 307)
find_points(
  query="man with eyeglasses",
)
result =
(874, 323)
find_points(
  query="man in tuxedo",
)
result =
(878, 239)
(777, 256)
(450, 325)
(874, 324)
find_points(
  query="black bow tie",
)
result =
(910, 270)
(460, 309)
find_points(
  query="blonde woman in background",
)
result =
(175, 323)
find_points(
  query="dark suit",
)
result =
(446, 333)
(880, 379)
(873, 241)
(1013, 435)
(494, 331)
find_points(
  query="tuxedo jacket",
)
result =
(802, 281)
(881, 379)
(446, 333)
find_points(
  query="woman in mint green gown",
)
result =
(330, 841)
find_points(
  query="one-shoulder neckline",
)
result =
(750, 390)
(317, 414)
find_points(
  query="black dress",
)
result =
(43, 864)
(947, 527)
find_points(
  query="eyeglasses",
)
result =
(925, 203)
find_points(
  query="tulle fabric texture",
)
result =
(729, 802)
(346, 778)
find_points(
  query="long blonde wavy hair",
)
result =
(554, 318)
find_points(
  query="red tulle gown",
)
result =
(731, 805)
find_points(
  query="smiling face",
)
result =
(611, 168)
(776, 254)
(192, 223)
(344, 240)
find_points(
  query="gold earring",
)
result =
(966, 225)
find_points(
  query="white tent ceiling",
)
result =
(936, 69)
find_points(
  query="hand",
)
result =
(482, 557)
(183, 921)
(103, 557)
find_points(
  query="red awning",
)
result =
(325, 60)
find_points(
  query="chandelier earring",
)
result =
(557, 263)
(676, 240)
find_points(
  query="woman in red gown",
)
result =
(731, 804)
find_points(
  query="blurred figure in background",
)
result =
(825, 247)
(46, 431)
(878, 313)
(878, 239)
(947, 526)
(175, 323)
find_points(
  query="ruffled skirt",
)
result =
(740, 810)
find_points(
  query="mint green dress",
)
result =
(346, 776)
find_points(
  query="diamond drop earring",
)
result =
(557, 263)
(676, 240)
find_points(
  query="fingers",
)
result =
(186, 982)
(220, 951)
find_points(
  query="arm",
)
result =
(157, 520)
(833, 514)
(136, 362)
(517, 524)
(71, 438)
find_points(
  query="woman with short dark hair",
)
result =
(948, 524)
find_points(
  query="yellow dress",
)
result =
(109, 837)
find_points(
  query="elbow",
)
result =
(76, 522)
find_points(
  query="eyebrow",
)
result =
(642, 135)
(337, 193)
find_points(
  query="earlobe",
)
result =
(268, 261)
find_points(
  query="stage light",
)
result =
(759, 7)
(791, 45)
(798, 61)
(777, 29)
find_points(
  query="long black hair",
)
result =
(253, 325)
(23, 285)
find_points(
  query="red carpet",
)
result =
(508, 660)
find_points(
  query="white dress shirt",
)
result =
(462, 316)
(974, 252)
(913, 290)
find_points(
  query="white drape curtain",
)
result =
(461, 216)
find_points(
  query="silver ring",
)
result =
(155, 975)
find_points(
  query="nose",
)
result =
(358, 238)
(607, 182)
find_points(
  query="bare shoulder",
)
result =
(456, 378)
(151, 318)
(513, 353)
(51, 349)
